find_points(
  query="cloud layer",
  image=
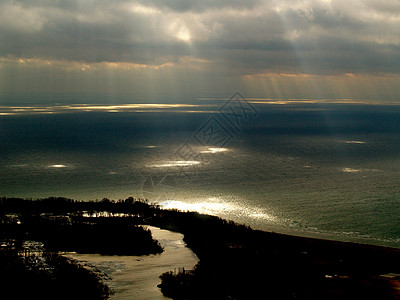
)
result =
(243, 37)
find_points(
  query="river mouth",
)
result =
(137, 277)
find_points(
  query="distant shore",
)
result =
(331, 236)
(236, 262)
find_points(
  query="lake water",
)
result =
(325, 169)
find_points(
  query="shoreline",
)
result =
(232, 255)
(333, 236)
(356, 235)
(317, 234)
(327, 236)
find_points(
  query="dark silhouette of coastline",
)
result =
(64, 225)
(41, 274)
(236, 262)
(67, 225)
(239, 263)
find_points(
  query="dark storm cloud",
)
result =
(244, 37)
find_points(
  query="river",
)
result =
(136, 277)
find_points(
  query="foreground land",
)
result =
(28, 272)
(236, 262)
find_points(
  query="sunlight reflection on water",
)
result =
(178, 163)
(215, 206)
(57, 166)
(214, 150)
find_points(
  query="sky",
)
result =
(157, 50)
